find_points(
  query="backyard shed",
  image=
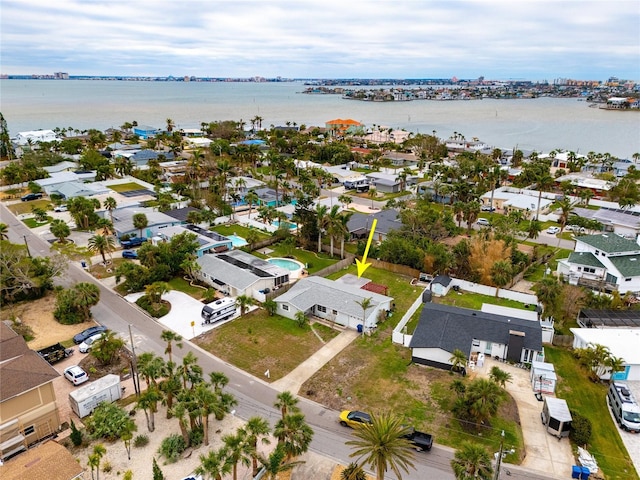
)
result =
(556, 416)
(440, 285)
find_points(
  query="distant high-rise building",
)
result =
(61, 75)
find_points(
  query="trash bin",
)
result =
(360, 331)
(576, 471)
(84, 264)
(585, 473)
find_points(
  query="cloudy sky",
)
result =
(543, 39)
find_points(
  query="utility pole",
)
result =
(134, 364)
(496, 475)
(26, 245)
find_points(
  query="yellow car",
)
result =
(354, 418)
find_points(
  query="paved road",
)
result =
(254, 396)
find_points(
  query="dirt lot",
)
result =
(38, 314)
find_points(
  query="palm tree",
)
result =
(59, 229)
(365, 304)
(472, 462)
(110, 205)
(372, 195)
(4, 231)
(244, 302)
(214, 465)
(102, 244)
(156, 290)
(534, 229)
(252, 199)
(275, 463)
(206, 400)
(237, 450)
(148, 401)
(294, 434)
(256, 428)
(94, 459)
(170, 386)
(499, 376)
(353, 472)
(344, 200)
(383, 446)
(544, 182)
(501, 274)
(140, 221)
(321, 219)
(86, 295)
(170, 336)
(458, 360)
(287, 403)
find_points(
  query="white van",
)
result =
(624, 407)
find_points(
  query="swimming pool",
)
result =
(289, 225)
(294, 266)
(237, 241)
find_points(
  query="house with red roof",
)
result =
(341, 127)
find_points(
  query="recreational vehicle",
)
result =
(219, 310)
(624, 407)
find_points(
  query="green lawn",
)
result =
(537, 273)
(257, 342)
(474, 301)
(126, 187)
(31, 222)
(182, 285)
(27, 207)
(589, 399)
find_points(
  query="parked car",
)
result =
(85, 346)
(353, 418)
(487, 208)
(553, 230)
(75, 375)
(421, 441)
(483, 222)
(60, 208)
(129, 254)
(31, 196)
(83, 335)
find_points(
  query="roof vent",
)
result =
(605, 236)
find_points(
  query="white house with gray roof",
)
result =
(336, 301)
(442, 329)
(123, 220)
(606, 261)
(240, 273)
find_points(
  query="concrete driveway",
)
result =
(184, 317)
(543, 451)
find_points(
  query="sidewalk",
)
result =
(294, 379)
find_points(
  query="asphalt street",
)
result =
(255, 397)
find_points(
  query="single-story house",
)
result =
(335, 301)
(618, 221)
(142, 157)
(237, 273)
(532, 314)
(64, 166)
(35, 136)
(359, 224)
(208, 241)
(123, 220)
(606, 261)
(621, 342)
(384, 182)
(440, 285)
(197, 142)
(49, 460)
(28, 408)
(145, 131)
(509, 200)
(585, 180)
(443, 329)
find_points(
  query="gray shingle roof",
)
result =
(448, 328)
(585, 258)
(610, 243)
(387, 220)
(627, 265)
(339, 296)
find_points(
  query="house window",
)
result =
(29, 430)
(589, 270)
(476, 342)
(285, 307)
(597, 252)
(322, 309)
(335, 312)
(579, 269)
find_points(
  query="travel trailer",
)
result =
(219, 310)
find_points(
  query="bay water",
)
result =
(541, 124)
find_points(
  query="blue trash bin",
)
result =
(359, 328)
(576, 471)
(585, 473)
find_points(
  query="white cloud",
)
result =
(355, 38)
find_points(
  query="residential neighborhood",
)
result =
(360, 269)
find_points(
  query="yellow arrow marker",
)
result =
(363, 265)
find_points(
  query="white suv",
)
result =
(483, 222)
(553, 230)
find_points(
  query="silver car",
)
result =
(85, 346)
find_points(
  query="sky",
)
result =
(507, 39)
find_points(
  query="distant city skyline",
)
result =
(500, 40)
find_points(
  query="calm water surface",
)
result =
(538, 124)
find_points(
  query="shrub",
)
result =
(196, 436)
(156, 310)
(171, 447)
(140, 441)
(157, 473)
(106, 466)
(581, 429)
(22, 329)
(76, 435)
(109, 421)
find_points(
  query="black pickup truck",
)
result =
(55, 353)
(420, 440)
